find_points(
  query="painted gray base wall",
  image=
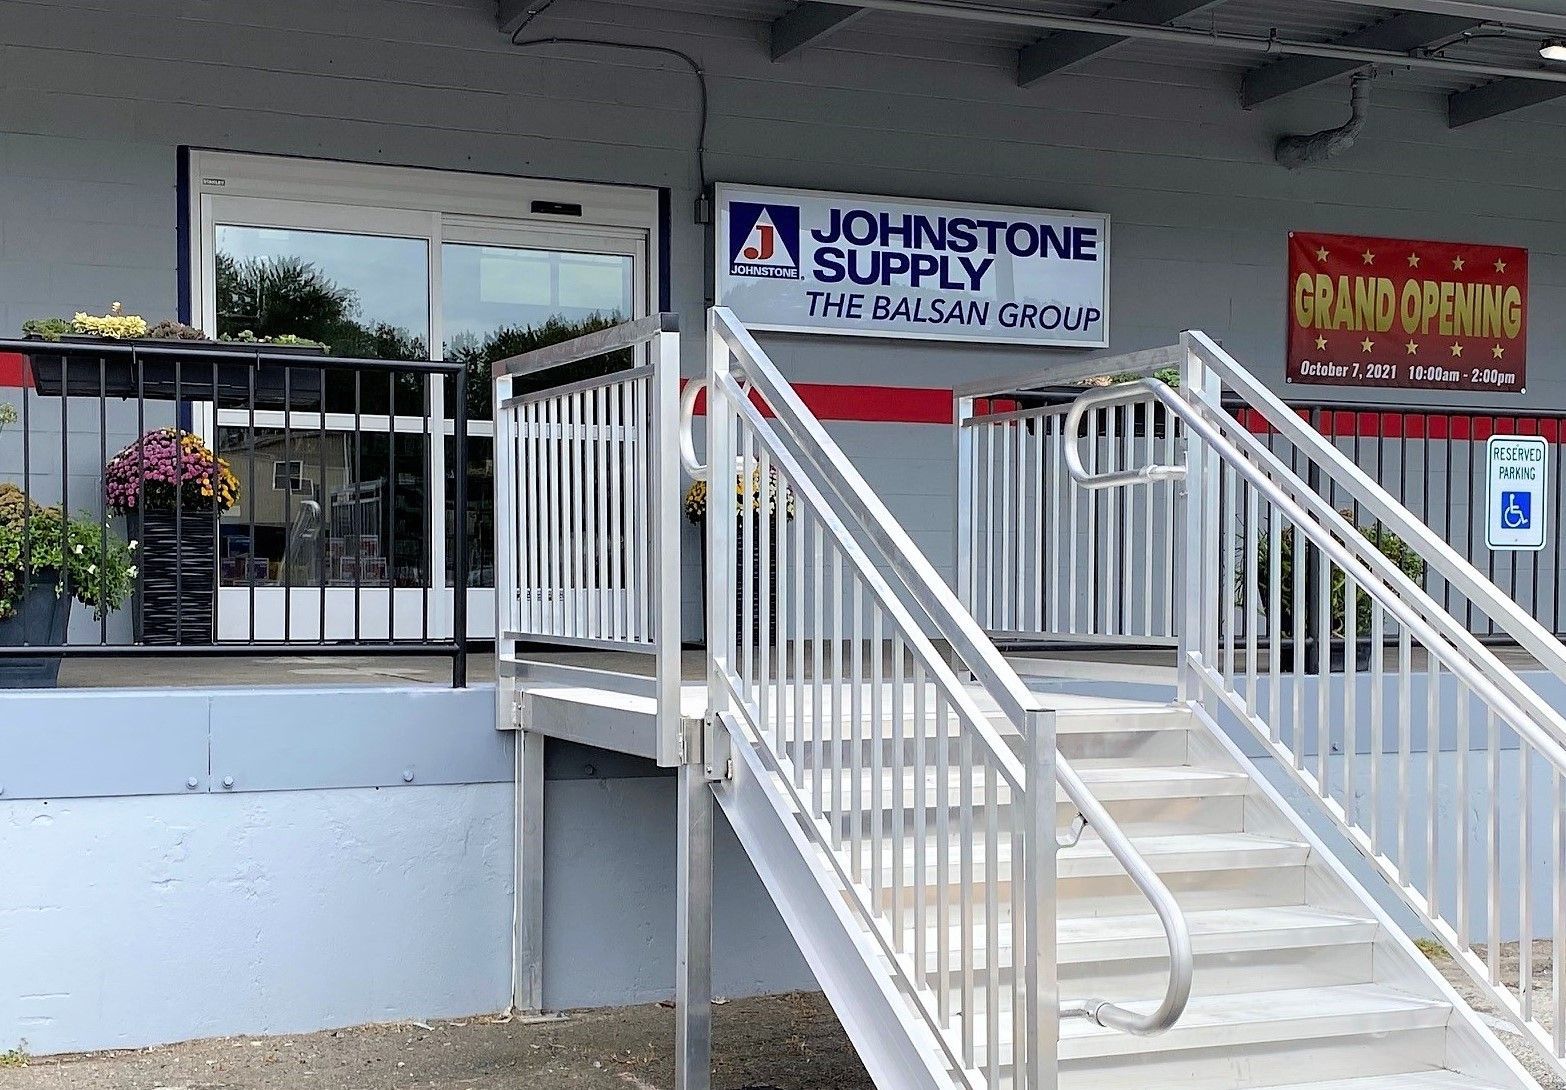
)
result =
(127, 922)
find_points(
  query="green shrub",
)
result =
(1389, 544)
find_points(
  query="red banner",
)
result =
(1395, 312)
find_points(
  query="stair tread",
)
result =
(1220, 1020)
(1109, 783)
(1096, 939)
(1092, 858)
(1411, 1080)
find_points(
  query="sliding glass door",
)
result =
(351, 496)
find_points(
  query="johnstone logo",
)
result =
(764, 240)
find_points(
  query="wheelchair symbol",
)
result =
(1516, 510)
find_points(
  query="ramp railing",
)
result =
(820, 616)
(1439, 762)
(587, 512)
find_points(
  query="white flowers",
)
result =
(78, 550)
(132, 546)
(92, 569)
(130, 572)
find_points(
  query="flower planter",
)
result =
(1337, 655)
(177, 594)
(195, 363)
(41, 622)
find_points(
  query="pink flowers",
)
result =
(168, 468)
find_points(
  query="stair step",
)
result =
(1094, 940)
(1413, 1080)
(1092, 859)
(1227, 1021)
(1109, 783)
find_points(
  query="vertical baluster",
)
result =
(992, 921)
(647, 503)
(1171, 522)
(921, 829)
(943, 848)
(1378, 746)
(899, 890)
(1461, 796)
(1252, 609)
(1042, 579)
(1405, 756)
(617, 531)
(1324, 636)
(1298, 607)
(1558, 947)
(800, 594)
(818, 634)
(779, 528)
(1493, 838)
(600, 485)
(1274, 622)
(554, 602)
(750, 578)
(840, 737)
(878, 736)
(1057, 490)
(1151, 498)
(576, 599)
(988, 586)
(1110, 577)
(863, 826)
(1524, 873)
(1002, 586)
(765, 517)
(1433, 784)
(965, 877)
(1073, 499)
(1090, 505)
(1350, 694)
(1226, 577)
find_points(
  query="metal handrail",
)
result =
(1461, 574)
(1329, 531)
(978, 653)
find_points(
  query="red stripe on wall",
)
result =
(867, 404)
(14, 370)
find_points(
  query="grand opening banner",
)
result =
(1416, 315)
(812, 262)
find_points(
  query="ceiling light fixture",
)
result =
(1553, 49)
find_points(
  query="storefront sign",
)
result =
(1394, 312)
(1516, 507)
(803, 261)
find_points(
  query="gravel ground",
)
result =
(1543, 993)
(790, 1042)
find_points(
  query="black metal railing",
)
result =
(230, 499)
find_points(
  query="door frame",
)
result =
(245, 189)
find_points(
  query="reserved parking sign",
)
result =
(1516, 508)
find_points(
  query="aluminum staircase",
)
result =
(1300, 981)
(1002, 885)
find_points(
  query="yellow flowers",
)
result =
(116, 324)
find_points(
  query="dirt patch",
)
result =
(792, 1042)
(1543, 997)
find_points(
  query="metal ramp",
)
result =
(998, 885)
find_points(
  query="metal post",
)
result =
(527, 980)
(693, 943)
(459, 592)
(1191, 515)
(1041, 1057)
(664, 462)
(722, 520)
(508, 590)
(962, 410)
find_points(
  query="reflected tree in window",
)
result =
(512, 340)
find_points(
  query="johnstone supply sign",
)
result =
(1413, 315)
(809, 262)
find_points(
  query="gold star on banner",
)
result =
(1457, 350)
(1322, 255)
(1367, 344)
(1497, 351)
(1368, 258)
(1457, 264)
(1413, 261)
(1413, 348)
(1500, 266)
(1321, 344)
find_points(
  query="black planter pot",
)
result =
(1337, 655)
(199, 363)
(41, 622)
(177, 585)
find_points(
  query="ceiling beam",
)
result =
(1543, 14)
(1494, 99)
(1066, 48)
(807, 24)
(1402, 32)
